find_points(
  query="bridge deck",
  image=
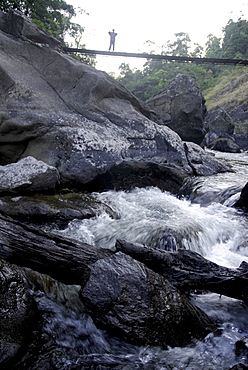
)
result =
(159, 57)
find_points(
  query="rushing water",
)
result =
(159, 219)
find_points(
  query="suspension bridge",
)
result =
(171, 58)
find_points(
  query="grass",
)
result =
(230, 91)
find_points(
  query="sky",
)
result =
(139, 21)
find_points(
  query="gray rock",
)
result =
(202, 164)
(220, 128)
(28, 175)
(224, 145)
(241, 139)
(14, 23)
(181, 106)
(128, 299)
(73, 117)
(219, 122)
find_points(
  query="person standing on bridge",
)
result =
(112, 39)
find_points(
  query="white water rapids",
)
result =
(159, 219)
(148, 216)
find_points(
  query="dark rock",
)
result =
(17, 313)
(241, 139)
(220, 128)
(201, 164)
(243, 200)
(224, 145)
(127, 299)
(73, 117)
(239, 366)
(219, 122)
(192, 190)
(181, 106)
(240, 113)
(131, 174)
(28, 175)
(58, 209)
(241, 349)
(188, 270)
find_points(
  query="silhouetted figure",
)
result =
(112, 39)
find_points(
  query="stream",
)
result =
(203, 221)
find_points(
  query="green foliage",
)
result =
(54, 17)
(235, 42)
(157, 74)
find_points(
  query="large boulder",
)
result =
(181, 106)
(128, 299)
(73, 117)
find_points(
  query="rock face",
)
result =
(128, 299)
(182, 108)
(73, 117)
(28, 175)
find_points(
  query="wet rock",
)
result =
(58, 209)
(131, 174)
(193, 191)
(201, 164)
(17, 313)
(243, 200)
(181, 106)
(224, 145)
(239, 366)
(188, 270)
(28, 175)
(129, 300)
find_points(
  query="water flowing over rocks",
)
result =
(75, 118)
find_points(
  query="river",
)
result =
(203, 221)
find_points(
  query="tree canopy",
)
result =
(157, 74)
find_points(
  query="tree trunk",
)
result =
(188, 270)
(63, 259)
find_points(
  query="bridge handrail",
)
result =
(159, 56)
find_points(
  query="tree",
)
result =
(235, 41)
(213, 48)
(54, 17)
(180, 46)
